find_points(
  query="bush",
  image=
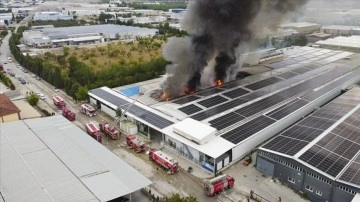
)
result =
(33, 99)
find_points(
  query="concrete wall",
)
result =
(10, 117)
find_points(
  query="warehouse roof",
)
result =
(341, 41)
(55, 160)
(104, 29)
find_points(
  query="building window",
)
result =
(309, 188)
(292, 180)
(318, 192)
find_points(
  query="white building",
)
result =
(301, 27)
(338, 30)
(51, 15)
(350, 43)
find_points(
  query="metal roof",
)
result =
(77, 167)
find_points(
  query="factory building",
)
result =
(340, 30)
(319, 155)
(51, 15)
(78, 35)
(301, 27)
(51, 159)
(243, 113)
(347, 43)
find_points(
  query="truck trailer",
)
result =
(88, 110)
(93, 131)
(59, 102)
(135, 143)
(218, 184)
(68, 113)
(165, 161)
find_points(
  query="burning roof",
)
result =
(219, 31)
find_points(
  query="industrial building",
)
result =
(347, 43)
(319, 155)
(244, 113)
(78, 35)
(301, 27)
(51, 15)
(51, 159)
(340, 30)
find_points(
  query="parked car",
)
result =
(5, 61)
(25, 70)
(9, 59)
(38, 78)
(12, 74)
(41, 96)
(22, 80)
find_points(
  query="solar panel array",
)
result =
(190, 109)
(295, 138)
(263, 83)
(268, 102)
(210, 102)
(352, 173)
(332, 153)
(186, 99)
(140, 112)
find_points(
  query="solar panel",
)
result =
(286, 145)
(263, 83)
(208, 92)
(236, 93)
(316, 122)
(186, 99)
(287, 75)
(218, 109)
(260, 105)
(287, 109)
(226, 120)
(231, 84)
(140, 112)
(150, 117)
(250, 128)
(300, 70)
(210, 102)
(352, 173)
(109, 97)
(190, 109)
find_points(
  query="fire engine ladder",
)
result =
(122, 114)
(190, 156)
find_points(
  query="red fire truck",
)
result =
(135, 143)
(88, 110)
(218, 184)
(165, 161)
(110, 131)
(93, 131)
(68, 113)
(59, 102)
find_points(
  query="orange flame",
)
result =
(219, 83)
(164, 96)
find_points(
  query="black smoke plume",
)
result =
(217, 30)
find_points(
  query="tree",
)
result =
(33, 99)
(118, 111)
(177, 198)
(82, 93)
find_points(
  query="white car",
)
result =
(5, 61)
(41, 96)
(9, 59)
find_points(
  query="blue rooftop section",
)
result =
(131, 91)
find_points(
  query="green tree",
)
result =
(82, 93)
(177, 198)
(33, 99)
(118, 111)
